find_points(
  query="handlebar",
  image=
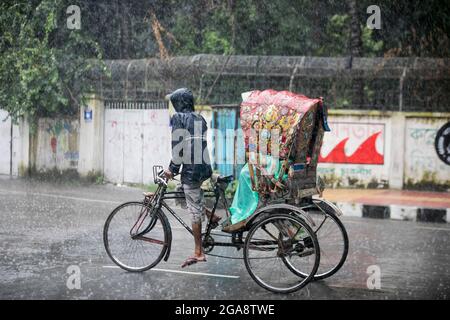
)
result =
(161, 178)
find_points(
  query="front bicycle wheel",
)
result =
(135, 236)
(274, 246)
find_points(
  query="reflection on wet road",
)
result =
(45, 229)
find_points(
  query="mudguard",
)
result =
(169, 234)
(328, 206)
(304, 215)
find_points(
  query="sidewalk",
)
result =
(392, 204)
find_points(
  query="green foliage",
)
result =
(372, 47)
(428, 182)
(216, 44)
(42, 63)
(263, 27)
(95, 177)
(338, 32)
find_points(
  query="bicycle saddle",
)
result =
(225, 179)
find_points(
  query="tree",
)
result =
(42, 62)
(356, 48)
(355, 29)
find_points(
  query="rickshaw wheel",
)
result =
(272, 241)
(333, 237)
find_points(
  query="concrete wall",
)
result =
(121, 144)
(364, 149)
(91, 146)
(5, 143)
(135, 140)
(354, 152)
(374, 149)
(9, 164)
(421, 164)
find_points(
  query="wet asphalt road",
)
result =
(46, 228)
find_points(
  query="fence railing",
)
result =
(136, 104)
(391, 84)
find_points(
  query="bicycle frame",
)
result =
(161, 194)
(158, 201)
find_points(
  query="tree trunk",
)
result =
(232, 8)
(124, 17)
(356, 48)
(355, 29)
(198, 23)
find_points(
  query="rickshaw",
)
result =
(291, 238)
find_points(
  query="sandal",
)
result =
(192, 260)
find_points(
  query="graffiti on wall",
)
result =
(63, 141)
(360, 171)
(442, 143)
(421, 159)
(420, 139)
(354, 143)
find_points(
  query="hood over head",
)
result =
(182, 100)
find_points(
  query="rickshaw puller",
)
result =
(194, 171)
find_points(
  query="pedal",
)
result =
(214, 225)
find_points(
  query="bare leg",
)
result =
(197, 230)
(215, 218)
(199, 255)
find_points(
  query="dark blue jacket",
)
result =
(189, 145)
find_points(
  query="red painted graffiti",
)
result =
(365, 154)
(53, 144)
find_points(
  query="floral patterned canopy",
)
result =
(264, 111)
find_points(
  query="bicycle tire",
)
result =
(338, 266)
(165, 246)
(247, 259)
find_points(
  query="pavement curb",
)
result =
(395, 212)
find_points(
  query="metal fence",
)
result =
(136, 104)
(384, 84)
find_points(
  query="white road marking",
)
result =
(362, 287)
(186, 272)
(352, 221)
(57, 196)
(433, 228)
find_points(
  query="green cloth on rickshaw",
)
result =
(245, 200)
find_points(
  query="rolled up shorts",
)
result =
(195, 202)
